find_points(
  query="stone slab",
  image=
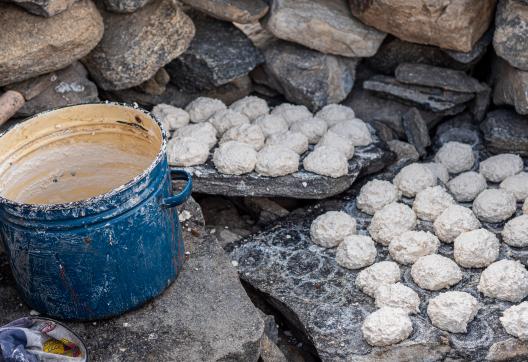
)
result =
(205, 315)
(238, 11)
(506, 131)
(511, 31)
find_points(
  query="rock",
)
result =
(61, 40)
(238, 11)
(478, 51)
(444, 78)
(135, 46)
(508, 350)
(265, 210)
(404, 151)
(326, 26)
(506, 132)
(271, 352)
(205, 315)
(228, 93)
(433, 99)
(308, 77)
(511, 86)
(259, 36)
(511, 32)
(394, 51)
(455, 25)
(385, 133)
(479, 106)
(124, 6)
(416, 131)
(46, 8)
(157, 84)
(460, 128)
(66, 87)
(218, 54)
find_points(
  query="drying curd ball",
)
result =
(235, 158)
(332, 139)
(397, 296)
(295, 141)
(203, 107)
(439, 170)
(453, 221)
(431, 202)
(313, 128)
(499, 167)
(391, 221)
(277, 161)
(291, 113)
(250, 134)
(515, 232)
(355, 130)
(386, 326)
(414, 178)
(476, 248)
(467, 185)
(456, 157)
(252, 107)
(517, 185)
(411, 245)
(515, 321)
(452, 311)
(494, 205)
(375, 194)
(170, 117)
(187, 151)
(335, 113)
(226, 119)
(435, 272)
(326, 161)
(371, 278)
(271, 124)
(356, 251)
(202, 132)
(504, 280)
(330, 229)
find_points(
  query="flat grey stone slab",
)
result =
(205, 315)
(299, 185)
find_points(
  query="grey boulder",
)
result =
(511, 32)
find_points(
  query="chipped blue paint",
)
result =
(102, 256)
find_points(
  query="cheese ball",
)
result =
(515, 321)
(170, 117)
(334, 140)
(250, 134)
(476, 248)
(505, 280)
(431, 202)
(202, 132)
(235, 158)
(335, 113)
(313, 128)
(371, 278)
(390, 222)
(252, 107)
(515, 232)
(397, 296)
(456, 157)
(453, 221)
(375, 194)
(227, 119)
(435, 272)
(291, 113)
(494, 205)
(356, 252)
(414, 178)
(466, 186)
(517, 185)
(439, 170)
(452, 311)
(326, 161)
(295, 141)
(354, 130)
(271, 124)
(411, 245)
(386, 326)
(498, 168)
(186, 151)
(276, 161)
(330, 229)
(203, 107)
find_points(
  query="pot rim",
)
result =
(98, 198)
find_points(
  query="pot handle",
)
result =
(181, 197)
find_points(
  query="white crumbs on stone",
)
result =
(382, 273)
(386, 326)
(435, 272)
(452, 311)
(330, 229)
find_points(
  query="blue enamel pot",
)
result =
(87, 210)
